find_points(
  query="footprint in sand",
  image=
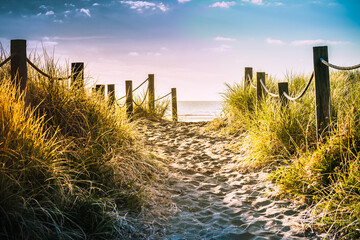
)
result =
(214, 201)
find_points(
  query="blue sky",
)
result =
(194, 45)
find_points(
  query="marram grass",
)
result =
(324, 174)
(69, 163)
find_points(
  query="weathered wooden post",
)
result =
(283, 88)
(100, 89)
(322, 91)
(129, 98)
(111, 94)
(77, 75)
(151, 92)
(260, 91)
(248, 76)
(18, 63)
(174, 105)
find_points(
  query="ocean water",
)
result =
(195, 111)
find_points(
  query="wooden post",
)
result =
(283, 88)
(151, 92)
(248, 76)
(111, 94)
(77, 75)
(174, 105)
(129, 98)
(322, 91)
(18, 63)
(260, 91)
(100, 89)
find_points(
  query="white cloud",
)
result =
(224, 39)
(257, 2)
(183, 1)
(278, 4)
(274, 41)
(86, 11)
(49, 13)
(162, 7)
(43, 7)
(317, 42)
(96, 4)
(222, 4)
(157, 54)
(134, 54)
(223, 48)
(141, 5)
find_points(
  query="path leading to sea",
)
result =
(213, 200)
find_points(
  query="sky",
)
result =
(195, 46)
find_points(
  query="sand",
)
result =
(210, 198)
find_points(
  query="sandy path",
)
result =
(213, 200)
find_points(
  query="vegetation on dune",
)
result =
(325, 174)
(69, 163)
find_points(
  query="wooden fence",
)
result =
(19, 76)
(322, 88)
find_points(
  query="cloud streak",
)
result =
(256, 2)
(274, 41)
(85, 11)
(222, 4)
(224, 39)
(141, 5)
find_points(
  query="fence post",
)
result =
(260, 91)
(77, 75)
(283, 88)
(111, 94)
(248, 76)
(322, 91)
(129, 98)
(151, 92)
(18, 63)
(100, 89)
(174, 105)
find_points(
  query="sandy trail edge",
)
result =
(210, 199)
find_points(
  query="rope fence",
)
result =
(45, 74)
(146, 93)
(338, 67)
(19, 76)
(163, 97)
(149, 96)
(6, 60)
(322, 88)
(302, 93)
(251, 82)
(267, 90)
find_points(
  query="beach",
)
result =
(210, 199)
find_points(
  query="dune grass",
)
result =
(324, 174)
(70, 164)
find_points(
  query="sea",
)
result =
(196, 111)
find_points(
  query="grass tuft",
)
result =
(324, 174)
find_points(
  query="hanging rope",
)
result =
(338, 67)
(134, 89)
(140, 85)
(6, 60)
(147, 90)
(251, 83)
(303, 92)
(267, 90)
(44, 74)
(163, 97)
